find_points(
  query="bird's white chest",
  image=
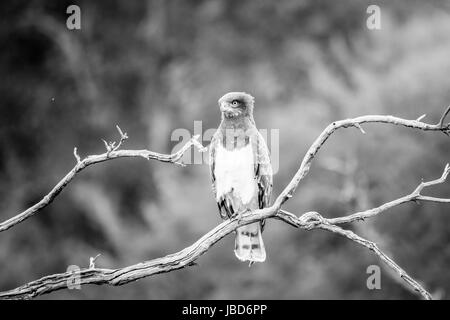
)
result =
(234, 171)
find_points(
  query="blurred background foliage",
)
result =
(155, 66)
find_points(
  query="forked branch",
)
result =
(414, 196)
(112, 152)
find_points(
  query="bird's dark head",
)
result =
(235, 105)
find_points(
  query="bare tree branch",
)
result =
(188, 256)
(112, 152)
(441, 121)
(413, 196)
(354, 122)
(181, 259)
(373, 247)
(313, 220)
(355, 195)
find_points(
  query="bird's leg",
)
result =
(237, 214)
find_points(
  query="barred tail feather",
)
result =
(249, 245)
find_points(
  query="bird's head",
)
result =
(235, 105)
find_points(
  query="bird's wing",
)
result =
(224, 205)
(263, 172)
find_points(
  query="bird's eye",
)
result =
(235, 103)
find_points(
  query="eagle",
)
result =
(241, 172)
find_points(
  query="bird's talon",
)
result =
(237, 215)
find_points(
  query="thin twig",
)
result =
(421, 117)
(75, 153)
(123, 137)
(441, 121)
(92, 261)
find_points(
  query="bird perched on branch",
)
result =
(241, 172)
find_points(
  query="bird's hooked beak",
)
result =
(228, 110)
